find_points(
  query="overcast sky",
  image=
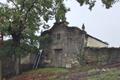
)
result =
(101, 23)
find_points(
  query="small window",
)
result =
(58, 51)
(58, 36)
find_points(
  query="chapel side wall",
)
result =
(102, 56)
(95, 43)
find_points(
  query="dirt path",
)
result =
(78, 76)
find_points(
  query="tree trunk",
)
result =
(0, 70)
(17, 65)
(83, 45)
(16, 43)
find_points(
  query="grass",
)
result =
(84, 68)
(49, 70)
(49, 73)
(64, 74)
(113, 74)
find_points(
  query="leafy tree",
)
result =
(21, 19)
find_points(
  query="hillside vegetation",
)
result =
(113, 74)
(84, 73)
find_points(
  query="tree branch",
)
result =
(23, 21)
(15, 4)
(22, 6)
(29, 9)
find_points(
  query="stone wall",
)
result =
(102, 56)
(8, 67)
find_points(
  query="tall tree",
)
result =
(21, 19)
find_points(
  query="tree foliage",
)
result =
(107, 3)
(21, 19)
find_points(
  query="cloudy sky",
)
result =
(100, 22)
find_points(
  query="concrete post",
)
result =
(17, 66)
(83, 45)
